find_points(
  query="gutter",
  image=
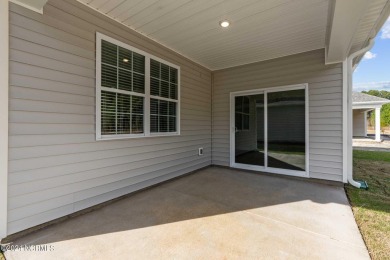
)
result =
(372, 103)
(357, 184)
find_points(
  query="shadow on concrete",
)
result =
(209, 192)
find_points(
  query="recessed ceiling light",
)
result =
(224, 23)
(125, 60)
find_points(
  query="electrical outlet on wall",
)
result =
(200, 151)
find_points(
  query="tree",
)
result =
(385, 111)
(385, 115)
(378, 93)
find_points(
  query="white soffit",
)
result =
(373, 19)
(35, 5)
(344, 20)
(259, 30)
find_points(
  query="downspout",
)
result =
(357, 184)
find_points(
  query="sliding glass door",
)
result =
(269, 130)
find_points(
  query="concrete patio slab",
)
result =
(369, 144)
(215, 213)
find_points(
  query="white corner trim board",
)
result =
(345, 121)
(4, 69)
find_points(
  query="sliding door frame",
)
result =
(265, 168)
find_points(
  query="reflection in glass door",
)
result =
(249, 130)
(286, 129)
(270, 130)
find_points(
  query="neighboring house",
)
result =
(361, 104)
(104, 98)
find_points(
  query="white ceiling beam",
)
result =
(344, 19)
(35, 5)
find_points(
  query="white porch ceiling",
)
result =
(260, 29)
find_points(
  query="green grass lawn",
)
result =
(372, 207)
(1, 255)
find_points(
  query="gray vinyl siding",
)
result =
(55, 165)
(359, 124)
(325, 105)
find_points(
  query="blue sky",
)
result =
(373, 71)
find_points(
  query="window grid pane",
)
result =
(138, 82)
(154, 86)
(108, 107)
(164, 72)
(123, 123)
(173, 91)
(163, 80)
(122, 68)
(162, 116)
(125, 80)
(173, 75)
(137, 124)
(137, 105)
(125, 59)
(108, 125)
(109, 76)
(138, 63)
(123, 103)
(164, 89)
(121, 114)
(109, 53)
(154, 69)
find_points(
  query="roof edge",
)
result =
(375, 30)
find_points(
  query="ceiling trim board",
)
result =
(34, 5)
(346, 17)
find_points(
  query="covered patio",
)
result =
(214, 213)
(362, 104)
(105, 98)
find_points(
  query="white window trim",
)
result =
(265, 168)
(147, 96)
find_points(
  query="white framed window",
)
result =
(137, 94)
